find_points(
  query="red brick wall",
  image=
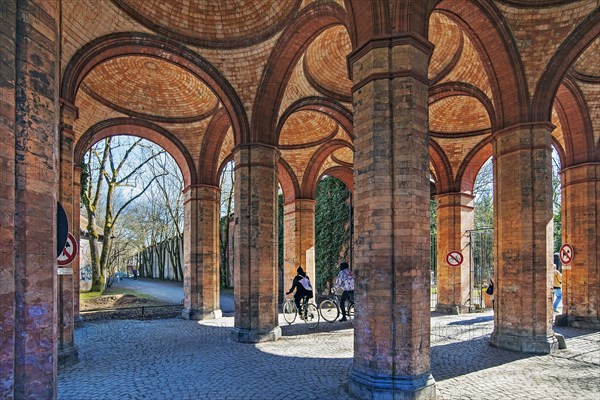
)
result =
(7, 197)
(36, 152)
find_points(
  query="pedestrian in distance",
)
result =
(557, 288)
(345, 281)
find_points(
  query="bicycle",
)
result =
(330, 308)
(308, 312)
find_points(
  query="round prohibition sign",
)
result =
(454, 258)
(69, 252)
(566, 253)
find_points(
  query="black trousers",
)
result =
(348, 294)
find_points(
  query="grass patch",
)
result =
(89, 295)
(113, 292)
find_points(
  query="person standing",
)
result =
(557, 287)
(345, 280)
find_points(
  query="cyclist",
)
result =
(303, 288)
(345, 280)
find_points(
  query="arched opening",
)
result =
(133, 222)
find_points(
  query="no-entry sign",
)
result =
(69, 252)
(454, 258)
(566, 253)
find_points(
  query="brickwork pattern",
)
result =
(201, 252)
(36, 176)
(8, 21)
(325, 62)
(299, 236)
(581, 218)
(455, 216)
(539, 31)
(66, 294)
(255, 235)
(392, 210)
(523, 236)
(150, 86)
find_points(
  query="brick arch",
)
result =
(140, 128)
(442, 168)
(374, 19)
(208, 164)
(343, 173)
(135, 43)
(310, 179)
(335, 110)
(294, 40)
(469, 168)
(448, 89)
(491, 35)
(288, 181)
(575, 123)
(568, 52)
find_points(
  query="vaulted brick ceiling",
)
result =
(237, 42)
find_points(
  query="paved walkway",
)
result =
(178, 359)
(169, 291)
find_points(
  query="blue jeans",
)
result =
(557, 297)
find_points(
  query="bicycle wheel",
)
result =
(351, 313)
(311, 316)
(329, 310)
(289, 311)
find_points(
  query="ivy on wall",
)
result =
(332, 229)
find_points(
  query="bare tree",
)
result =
(118, 164)
(226, 210)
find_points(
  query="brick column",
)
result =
(391, 221)
(201, 252)
(455, 217)
(523, 239)
(67, 351)
(35, 147)
(8, 21)
(298, 237)
(580, 221)
(77, 233)
(255, 258)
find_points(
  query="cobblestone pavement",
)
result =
(178, 359)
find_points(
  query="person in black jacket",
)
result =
(302, 286)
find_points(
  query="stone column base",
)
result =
(524, 344)
(199, 315)
(577, 322)
(384, 387)
(67, 355)
(256, 335)
(451, 309)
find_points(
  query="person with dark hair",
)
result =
(345, 281)
(301, 284)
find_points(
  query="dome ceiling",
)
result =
(448, 41)
(152, 88)
(343, 156)
(458, 114)
(212, 23)
(306, 128)
(325, 63)
(588, 63)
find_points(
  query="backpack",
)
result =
(490, 289)
(305, 282)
